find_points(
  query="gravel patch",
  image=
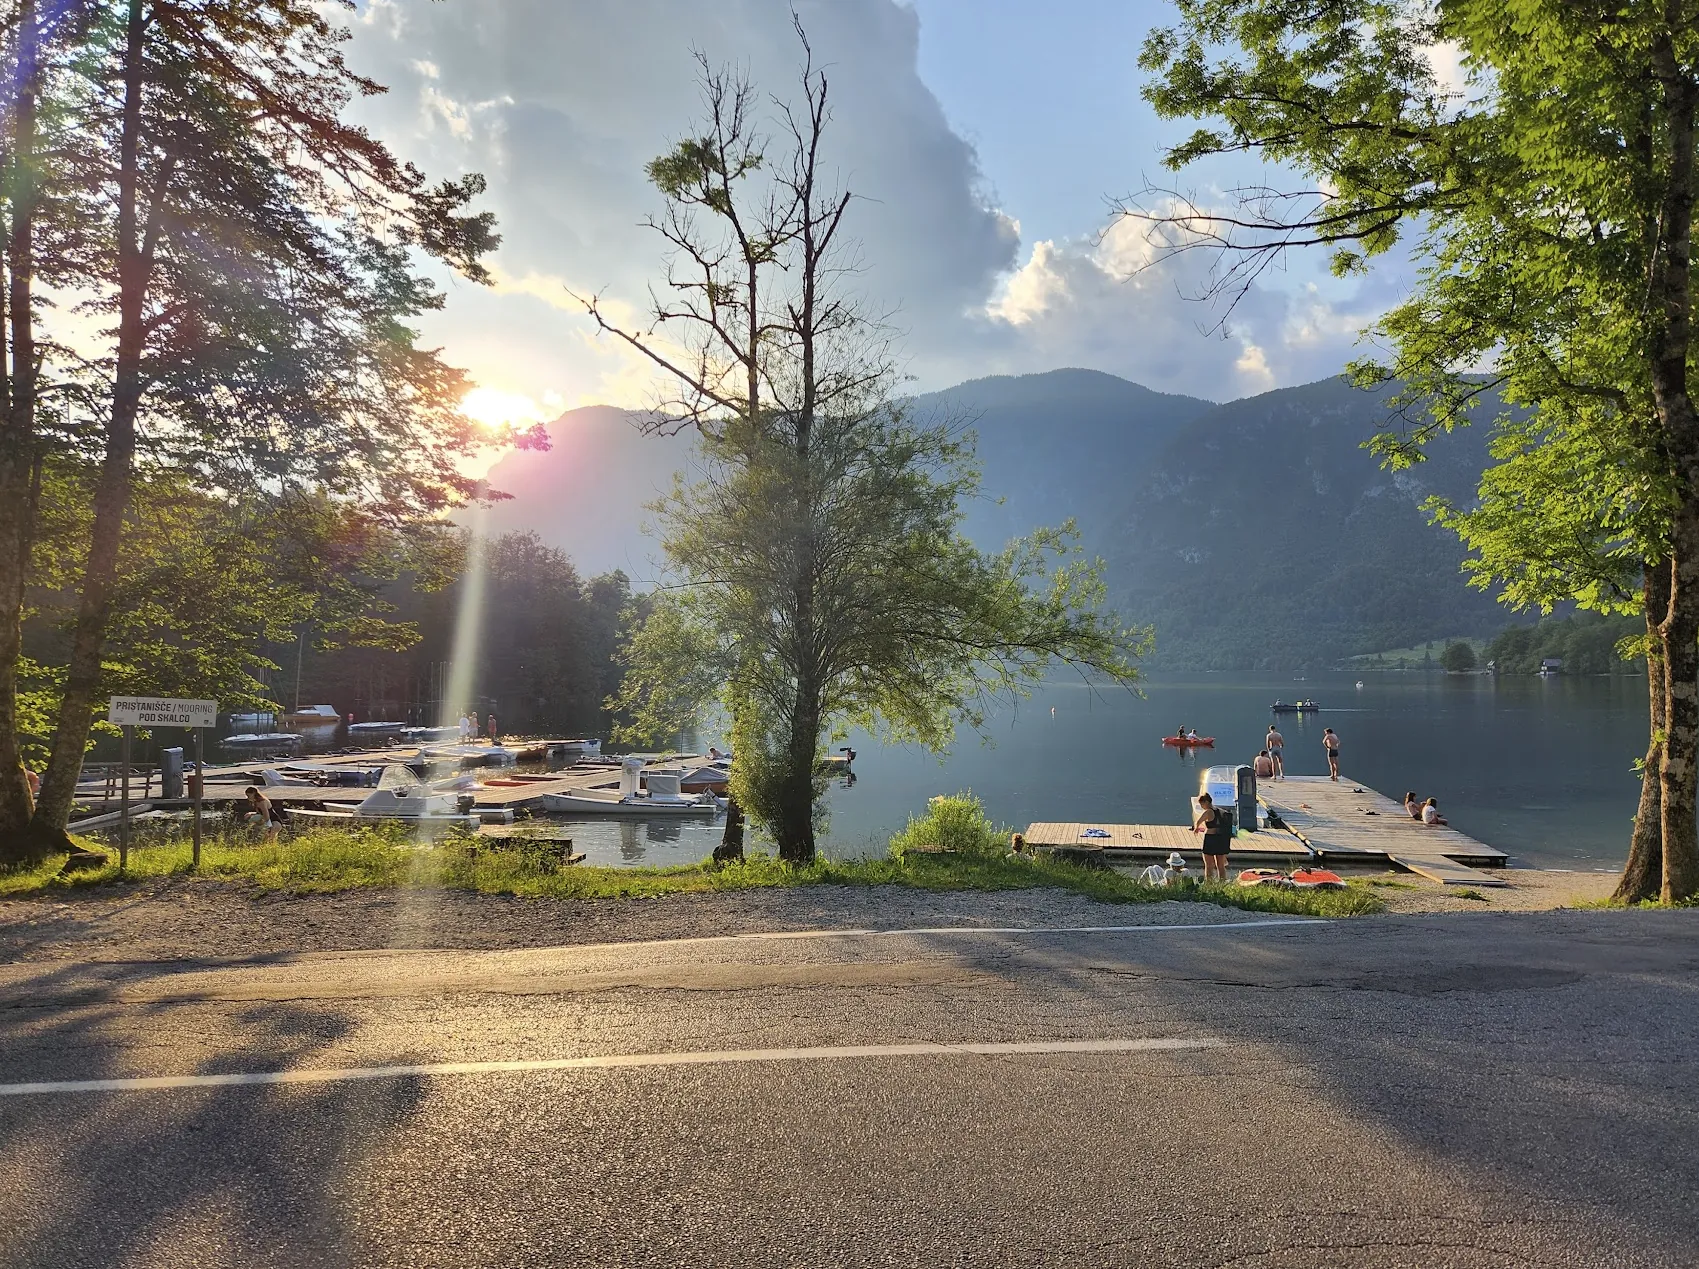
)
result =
(1525, 890)
(187, 919)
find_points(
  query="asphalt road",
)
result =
(1444, 1091)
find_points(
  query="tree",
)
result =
(821, 575)
(251, 253)
(1552, 209)
(1457, 658)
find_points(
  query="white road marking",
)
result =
(701, 1058)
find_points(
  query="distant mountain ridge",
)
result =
(1257, 534)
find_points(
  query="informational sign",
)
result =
(154, 711)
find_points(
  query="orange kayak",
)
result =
(1189, 742)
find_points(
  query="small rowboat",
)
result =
(1189, 742)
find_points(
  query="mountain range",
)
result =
(1257, 534)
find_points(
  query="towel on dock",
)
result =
(1096, 832)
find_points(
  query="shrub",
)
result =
(1458, 657)
(957, 824)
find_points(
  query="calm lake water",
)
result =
(1541, 768)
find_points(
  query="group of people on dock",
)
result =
(1270, 762)
(1423, 812)
(469, 728)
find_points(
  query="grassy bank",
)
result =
(332, 859)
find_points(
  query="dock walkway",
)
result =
(1327, 823)
(1347, 823)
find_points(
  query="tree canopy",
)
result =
(1548, 204)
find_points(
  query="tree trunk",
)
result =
(731, 841)
(1642, 878)
(795, 829)
(1679, 784)
(19, 470)
(112, 494)
(1672, 289)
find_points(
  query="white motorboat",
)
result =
(262, 742)
(471, 755)
(376, 729)
(662, 797)
(400, 795)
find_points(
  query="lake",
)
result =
(1541, 768)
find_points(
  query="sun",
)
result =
(494, 407)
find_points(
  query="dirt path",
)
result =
(181, 918)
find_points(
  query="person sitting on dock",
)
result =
(1263, 766)
(1217, 838)
(1430, 814)
(1412, 806)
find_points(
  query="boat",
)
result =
(708, 779)
(1190, 742)
(376, 729)
(470, 755)
(431, 735)
(1296, 707)
(661, 798)
(316, 716)
(401, 795)
(263, 742)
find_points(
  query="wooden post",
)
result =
(200, 788)
(124, 807)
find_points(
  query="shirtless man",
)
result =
(1330, 742)
(1276, 745)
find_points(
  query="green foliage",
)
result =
(1458, 657)
(549, 654)
(956, 824)
(1533, 199)
(1587, 643)
(331, 859)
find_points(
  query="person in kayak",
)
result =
(1217, 838)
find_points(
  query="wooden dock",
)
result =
(1126, 843)
(1347, 823)
(1326, 823)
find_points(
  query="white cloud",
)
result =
(561, 102)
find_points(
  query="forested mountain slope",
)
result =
(1255, 535)
(1264, 536)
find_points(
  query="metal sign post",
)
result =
(200, 788)
(124, 807)
(130, 712)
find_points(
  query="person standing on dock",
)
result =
(1276, 747)
(1330, 742)
(495, 732)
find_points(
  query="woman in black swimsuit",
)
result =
(1217, 838)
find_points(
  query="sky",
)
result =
(984, 139)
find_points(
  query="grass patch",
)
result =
(329, 859)
(1470, 894)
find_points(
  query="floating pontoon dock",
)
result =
(1345, 823)
(1328, 823)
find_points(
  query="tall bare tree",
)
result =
(821, 575)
